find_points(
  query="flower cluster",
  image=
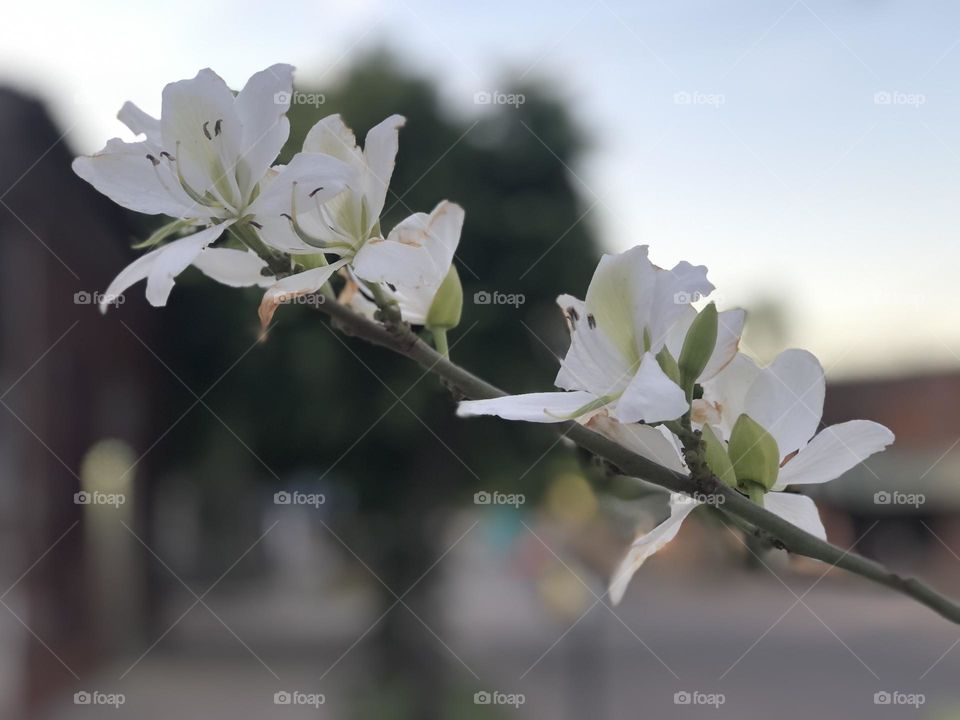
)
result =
(645, 367)
(650, 372)
(208, 164)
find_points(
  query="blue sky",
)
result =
(805, 150)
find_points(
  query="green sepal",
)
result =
(717, 458)
(311, 262)
(668, 364)
(600, 402)
(162, 233)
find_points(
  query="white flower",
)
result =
(410, 263)
(786, 399)
(413, 260)
(633, 309)
(202, 163)
(344, 224)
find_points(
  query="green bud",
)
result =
(717, 459)
(754, 453)
(698, 346)
(668, 365)
(444, 313)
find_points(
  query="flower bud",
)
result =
(444, 313)
(698, 346)
(754, 453)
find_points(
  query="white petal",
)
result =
(236, 268)
(201, 127)
(140, 123)
(276, 228)
(833, 451)
(647, 544)
(331, 136)
(678, 331)
(316, 177)
(787, 399)
(414, 303)
(173, 259)
(416, 253)
(130, 275)
(155, 264)
(548, 407)
(654, 443)
(675, 289)
(651, 396)
(303, 283)
(592, 362)
(357, 301)
(133, 176)
(796, 509)
(726, 392)
(620, 297)
(277, 232)
(380, 151)
(262, 106)
(729, 328)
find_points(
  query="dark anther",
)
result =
(216, 127)
(168, 156)
(206, 131)
(573, 314)
(591, 321)
(152, 159)
(257, 225)
(314, 192)
(286, 216)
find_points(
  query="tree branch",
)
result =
(400, 339)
